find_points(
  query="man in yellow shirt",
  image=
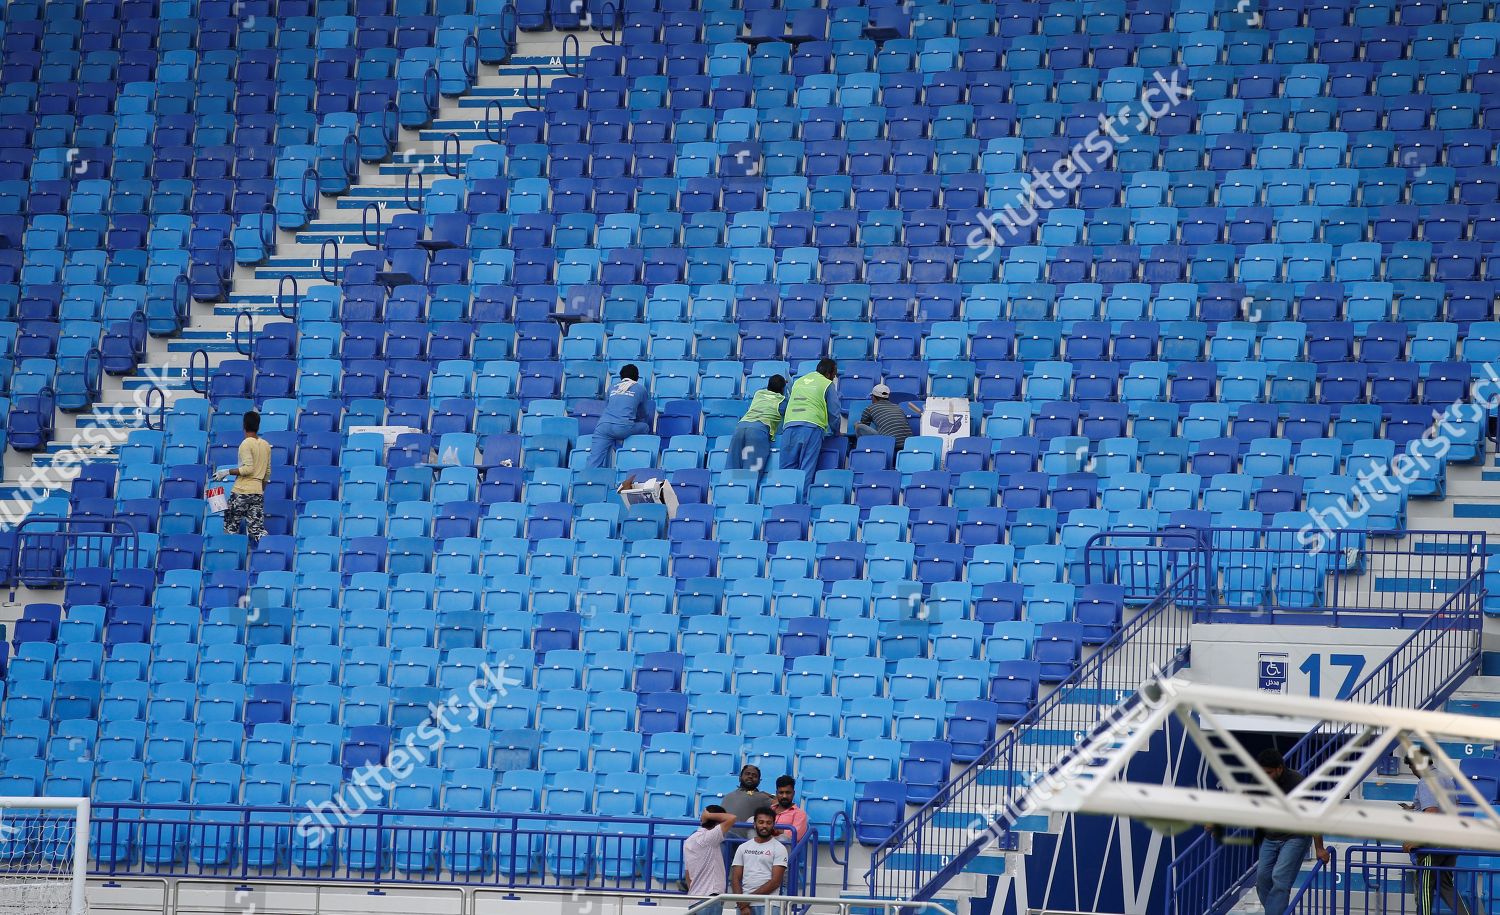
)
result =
(247, 501)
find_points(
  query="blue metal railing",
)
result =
(498, 850)
(1379, 878)
(1319, 892)
(48, 549)
(1347, 577)
(918, 859)
(1223, 574)
(1206, 877)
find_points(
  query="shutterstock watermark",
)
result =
(1388, 481)
(88, 443)
(374, 781)
(994, 820)
(1053, 188)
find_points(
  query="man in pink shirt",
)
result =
(787, 811)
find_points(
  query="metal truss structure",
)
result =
(1095, 779)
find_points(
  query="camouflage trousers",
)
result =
(248, 509)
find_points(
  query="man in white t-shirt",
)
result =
(759, 864)
(703, 853)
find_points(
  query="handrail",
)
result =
(471, 69)
(1378, 878)
(776, 904)
(281, 294)
(509, 18)
(406, 187)
(323, 271)
(848, 839)
(526, 88)
(351, 156)
(1206, 877)
(267, 226)
(309, 193)
(192, 375)
(453, 170)
(182, 296)
(1314, 891)
(1000, 802)
(139, 328)
(391, 126)
(1339, 583)
(93, 381)
(226, 263)
(432, 94)
(43, 558)
(47, 398)
(613, 10)
(564, 57)
(364, 223)
(385, 835)
(243, 347)
(492, 133)
(159, 411)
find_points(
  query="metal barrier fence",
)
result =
(1285, 575)
(49, 549)
(1383, 880)
(1420, 673)
(496, 850)
(1319, 893)
(809, 905)
(995, 786)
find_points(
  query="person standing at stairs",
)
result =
(1281, 853)
(247, 501)
(1435, 868)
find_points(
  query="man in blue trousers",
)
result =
(628, 411)
(750, 448)
(1281, 853)
(812, 411)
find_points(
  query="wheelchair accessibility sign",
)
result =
(1273, 671)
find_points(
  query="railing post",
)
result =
(281, 306)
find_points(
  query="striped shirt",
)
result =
(887, 419)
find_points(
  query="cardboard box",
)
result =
(650, 492)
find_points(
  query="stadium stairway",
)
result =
(1473, 504)
(1479, 696)
(989, 878)
(254, 289)
(996, 877)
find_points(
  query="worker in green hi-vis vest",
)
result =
(750, 448)
(812, 411)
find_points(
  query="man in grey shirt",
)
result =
(1435, 868)
(747, 798)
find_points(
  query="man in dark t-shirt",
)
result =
(747, 798)
(1281, 853)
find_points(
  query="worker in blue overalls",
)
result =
(628, 410)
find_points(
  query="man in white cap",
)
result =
(883, 417)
